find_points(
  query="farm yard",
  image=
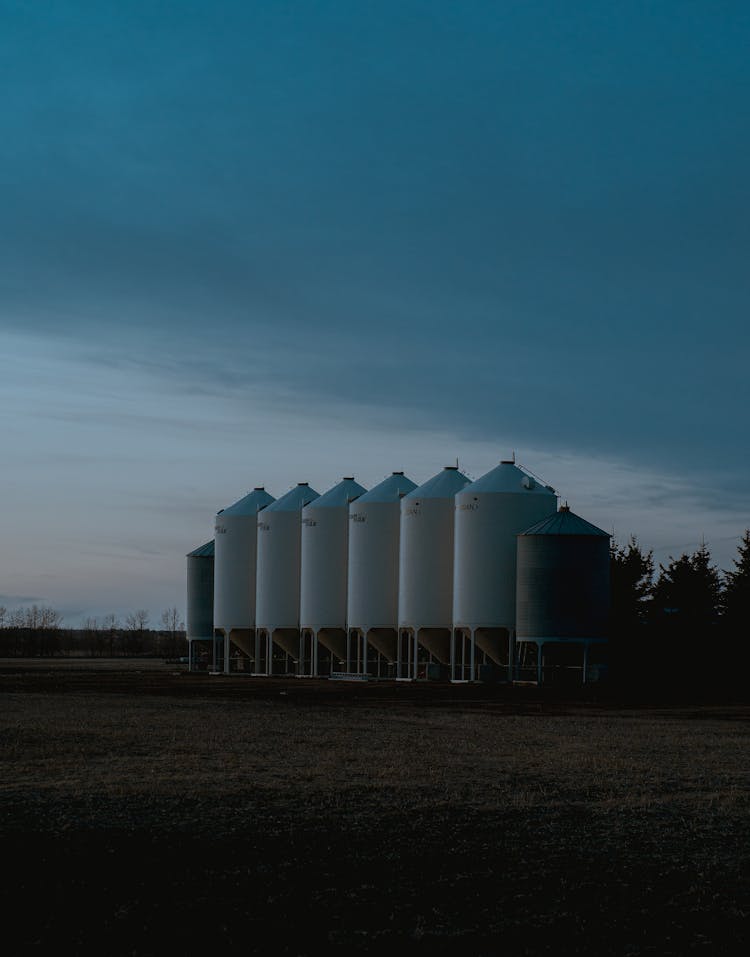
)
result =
(145, 809)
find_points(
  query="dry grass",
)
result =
(389, 818)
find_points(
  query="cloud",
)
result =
(15, 600)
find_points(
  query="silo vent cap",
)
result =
(398, 473)
(451, 468)
(348, 478)
(507, 462)
(259, 488)
(303, 483)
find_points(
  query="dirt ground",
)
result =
(144, 810)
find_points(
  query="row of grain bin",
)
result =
(399, 581)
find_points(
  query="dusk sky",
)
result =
(250, 243)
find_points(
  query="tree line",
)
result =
(683, 627)
(37, 630)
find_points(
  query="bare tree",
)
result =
(32, 617)
(172, 625)
(5, 635)
(94, 638)
(49, 619)
(111, 626)
(136, 624)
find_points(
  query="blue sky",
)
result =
(249, 243)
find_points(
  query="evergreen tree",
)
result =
(737, 613)
(631, 578)
(737, 585)
(687, 604)
(689, 591)
(631, 582)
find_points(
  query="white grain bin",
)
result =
(235, 530)
(562, 594)
(372, 602)
(278, 578)
(425, 602)
(325, 540)
(489, 514)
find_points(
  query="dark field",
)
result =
(147, 811)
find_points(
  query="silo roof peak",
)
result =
(445, 484)
(252, 502)
(508, 477)
(390, 489)
(345, 491)
(565, 522)
(294, 499)
(203, 551)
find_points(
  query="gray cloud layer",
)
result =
(526, 223)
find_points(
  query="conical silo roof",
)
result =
(443, 485)
(203, 551)
(391, 489)
(340, 495)
(565, 522)
(252, 503)
(508, 477)
(294, 499)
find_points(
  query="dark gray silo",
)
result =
(200, 593)
(562, 585)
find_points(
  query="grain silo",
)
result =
(425, 602)
(489, 514)
(236, 529)
(325, 539)
(199, 621)
(278, 580)
(562, 595)
(372, 602)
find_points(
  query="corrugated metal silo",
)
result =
(489, 514)
(278, 576)
(325, 539)
(200, 592)
(199, 621)
(372, 593)
(562, 592)
(236, 530)
(425, 603)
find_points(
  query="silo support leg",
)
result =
(415, 673)
(585, 660)
(472, 656)
(453, 654)
(539, 663)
